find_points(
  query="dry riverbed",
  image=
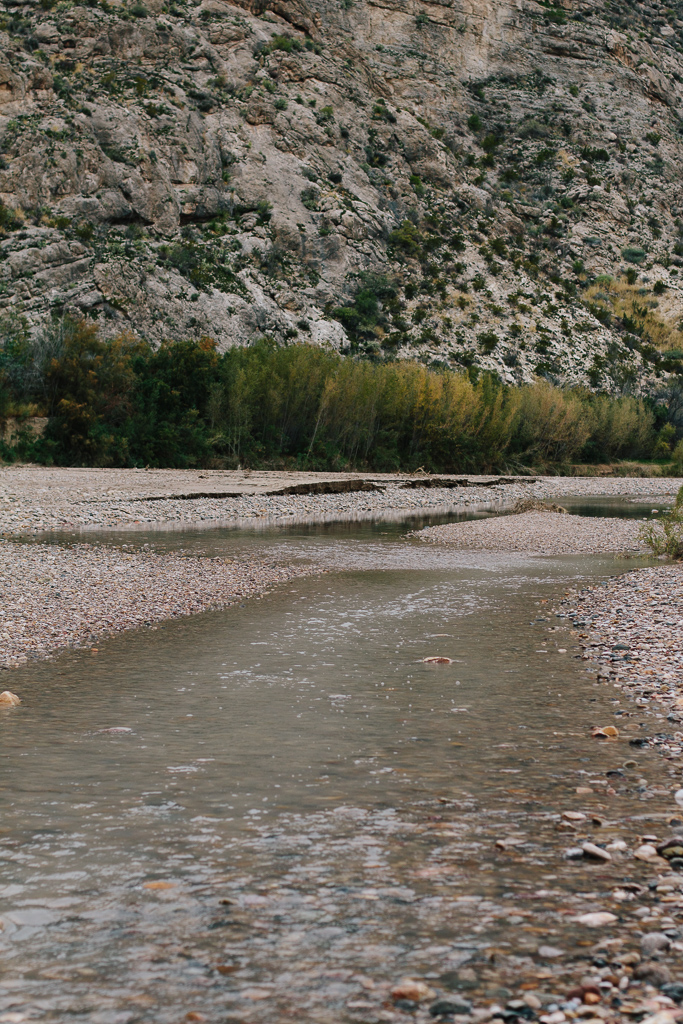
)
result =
(36, 498)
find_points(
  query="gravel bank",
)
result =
(54, 597)
(632, 628)
(541, 533)
(35, 498)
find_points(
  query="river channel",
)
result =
(280, 810)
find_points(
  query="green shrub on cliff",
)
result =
(365, 313)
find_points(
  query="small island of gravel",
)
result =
(540, 533)
(54, 596)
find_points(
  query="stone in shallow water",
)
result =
(411, 991)
(466, 977)
(671, 848)
(594, 852)
(646, 852)
(549, 952)
(609, 732)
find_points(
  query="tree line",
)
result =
(121, 402)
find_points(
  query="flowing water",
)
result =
(279, 809)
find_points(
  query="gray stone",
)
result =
(674, 990)
(550, 952)
(653, 973)
(451, 1005)
(654, 942)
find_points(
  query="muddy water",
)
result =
(281, 809)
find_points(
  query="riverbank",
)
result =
(34, 499)
(53, 597)
(631, 628)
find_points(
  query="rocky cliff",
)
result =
(479, 183)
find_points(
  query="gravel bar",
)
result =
(540, 533)
(53, 597)
(34, 499)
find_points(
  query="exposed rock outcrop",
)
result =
(462, 182)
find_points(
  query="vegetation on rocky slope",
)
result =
(493, 188)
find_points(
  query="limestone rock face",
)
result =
(463, 182)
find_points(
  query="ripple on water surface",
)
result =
(281, 808)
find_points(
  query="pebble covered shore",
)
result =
(632, 628)
(539, 533)
(53, 597)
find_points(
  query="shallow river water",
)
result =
(279, 810)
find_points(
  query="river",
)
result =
(281, 809)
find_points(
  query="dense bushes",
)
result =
(115, 402)
(120, 402)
